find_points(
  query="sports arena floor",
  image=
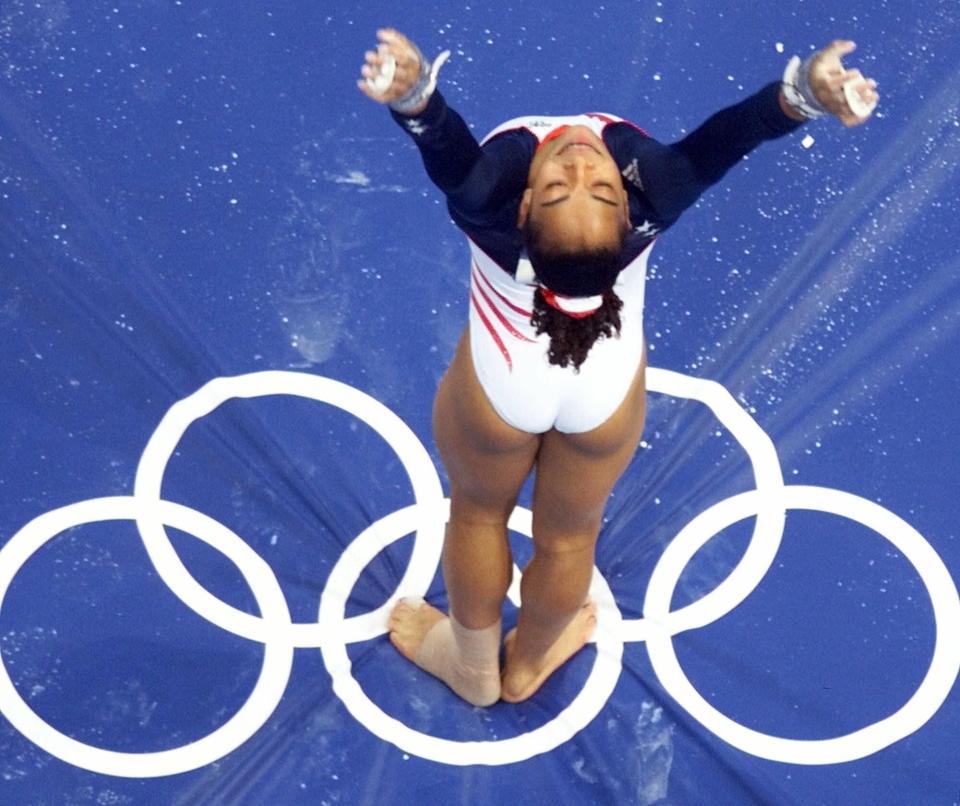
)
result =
(227, 293)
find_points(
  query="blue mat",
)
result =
(227, 294)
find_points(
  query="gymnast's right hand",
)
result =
(392, 70)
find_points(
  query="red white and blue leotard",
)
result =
(509, 356)
(483, 183)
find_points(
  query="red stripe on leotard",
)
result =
(493, 333)
(503, 319)
(506, 302)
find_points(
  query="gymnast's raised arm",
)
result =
(477, 183)
(674, 176)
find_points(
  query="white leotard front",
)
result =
(510, 359)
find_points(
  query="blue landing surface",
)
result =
(227, 293)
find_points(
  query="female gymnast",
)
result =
(560, 214)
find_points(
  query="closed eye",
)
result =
(608, 202)
(600, 186)
(608, 191)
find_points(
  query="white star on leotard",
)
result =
(646, 228)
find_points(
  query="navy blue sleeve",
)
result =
(667, 179)
(483, 186)
(448, 147)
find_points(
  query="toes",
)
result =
(401, 610)
(397, 615)
(401, 615)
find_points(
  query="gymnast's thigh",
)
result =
(577, 472)
(486, 459)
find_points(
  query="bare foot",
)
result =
(519, 683)
(409, 626)
(466, 660)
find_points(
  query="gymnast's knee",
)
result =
(479, 508)
(565, 541)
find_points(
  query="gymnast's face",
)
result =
(574, 192)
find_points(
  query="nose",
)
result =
(579, 165)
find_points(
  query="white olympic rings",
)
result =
(426, 518)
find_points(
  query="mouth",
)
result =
(579, 144)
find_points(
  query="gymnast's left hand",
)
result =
(828, 78)
(392, 45)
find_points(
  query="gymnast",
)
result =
(560, 214)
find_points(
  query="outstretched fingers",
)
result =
(839, 48)
(395, 64)
(847, 94)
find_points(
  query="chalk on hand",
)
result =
(381, 82)
(857, 105)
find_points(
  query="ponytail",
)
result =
(571, 338)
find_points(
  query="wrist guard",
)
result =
(425, 85)
(797, 90)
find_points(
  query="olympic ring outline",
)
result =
(916, 712)
(165, 438)
(570, 721)
(269, 688)
(656, 627)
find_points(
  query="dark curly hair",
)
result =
(570, 338)
(575, 274)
